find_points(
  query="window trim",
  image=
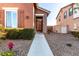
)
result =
(11, 9)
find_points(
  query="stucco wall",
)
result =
(44, 19)
(25, 13)
(65, 22)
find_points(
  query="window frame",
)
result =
(13, 9)
(70, 12)
(65, 14)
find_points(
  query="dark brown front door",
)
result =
(39, 24)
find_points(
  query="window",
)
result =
(77, 4)
(11, 18)
(70, 11)
(65, 15)
(75, 11)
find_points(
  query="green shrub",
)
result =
(8, 53)
(12, 34)
(49, 29)
(2, 35)
(20, 34)
(1, 28)
(75, 33)
(26, 34)
(8, 29)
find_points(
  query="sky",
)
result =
(54, 9)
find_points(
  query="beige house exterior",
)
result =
(68, 19)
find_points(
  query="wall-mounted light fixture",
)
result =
(27, 17)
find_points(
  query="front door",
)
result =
(39, 24)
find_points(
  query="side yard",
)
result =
(63, 44)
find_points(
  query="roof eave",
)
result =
(42, 9)
(63, 8)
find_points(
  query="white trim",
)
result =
(12, 9)
(9, 8)
(33, 16)
(39, 14)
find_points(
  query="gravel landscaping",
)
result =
(21, 46)
(63, 44)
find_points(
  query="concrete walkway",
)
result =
(40, 46)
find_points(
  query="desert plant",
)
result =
(10, 45)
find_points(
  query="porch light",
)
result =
(27, 17)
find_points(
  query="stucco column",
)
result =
(44, 24)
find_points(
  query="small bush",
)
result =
(10, 45)
(12, 34)
(20, 34)
(1, 28)
(2, 35)
(75, 33)
(26, 34)
(8, 29)
(8, 53)
(49, 29)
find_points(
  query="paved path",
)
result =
(40, 46)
